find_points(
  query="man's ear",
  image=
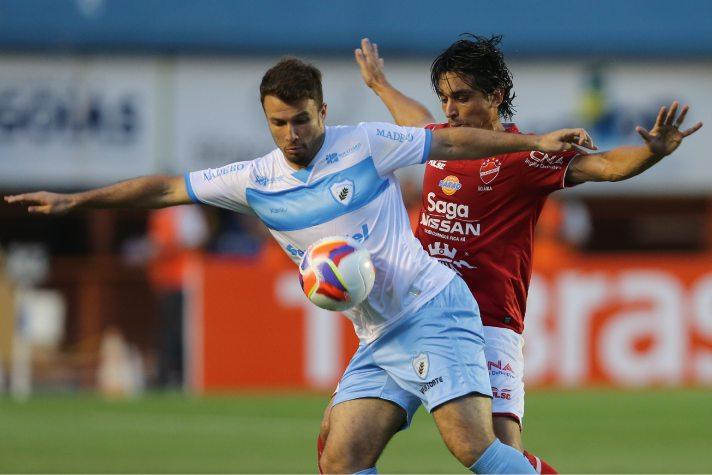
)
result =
(496, 97)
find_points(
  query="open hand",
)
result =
(370, 64)
(665, 136)
(564, 140)
(43, 202)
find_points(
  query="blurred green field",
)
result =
(593, 432)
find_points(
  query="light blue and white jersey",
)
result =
(348, 189)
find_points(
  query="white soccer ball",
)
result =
(336, 273)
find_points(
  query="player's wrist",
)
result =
(381, 86)
(76, 200)
(533, 142)
(656, 154)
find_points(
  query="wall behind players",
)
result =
(615, 320)
(76, 122)
(83, 121)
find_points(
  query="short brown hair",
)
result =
(292, 80)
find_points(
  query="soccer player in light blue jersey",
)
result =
(420, 331)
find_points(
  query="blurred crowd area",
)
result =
(96, 91)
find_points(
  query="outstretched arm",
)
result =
(456, 143)
(405, 111)
(468, 143)
(626, 162)
(143, 192)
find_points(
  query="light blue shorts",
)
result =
(429, 358)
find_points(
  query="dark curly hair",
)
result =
(292, 80)
(480, 64)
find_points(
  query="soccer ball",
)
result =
(336, 273)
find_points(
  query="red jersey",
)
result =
(478, 218)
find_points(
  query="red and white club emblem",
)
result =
(489, 170)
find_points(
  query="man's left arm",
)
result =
(622, 163)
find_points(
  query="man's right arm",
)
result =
(143, 192)
(405, 110)
(469, 143)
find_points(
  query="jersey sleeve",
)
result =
(545, 173)
(393, 147)
(224, 187)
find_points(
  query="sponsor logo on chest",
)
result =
(447, 208)
(335, 157)
(450, 184)
(360, 236)
(448, 220)
(544, 160)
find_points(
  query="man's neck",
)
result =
(299, 165)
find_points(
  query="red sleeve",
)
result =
(544, 173)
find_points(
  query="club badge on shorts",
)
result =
(421, 365)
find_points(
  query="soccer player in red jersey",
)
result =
(478, 216)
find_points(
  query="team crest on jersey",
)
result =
(421, 364)
(489, 170)
(343, 191)
(450, 184)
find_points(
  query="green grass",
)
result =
(593, 431)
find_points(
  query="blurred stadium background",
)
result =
(179, 341)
